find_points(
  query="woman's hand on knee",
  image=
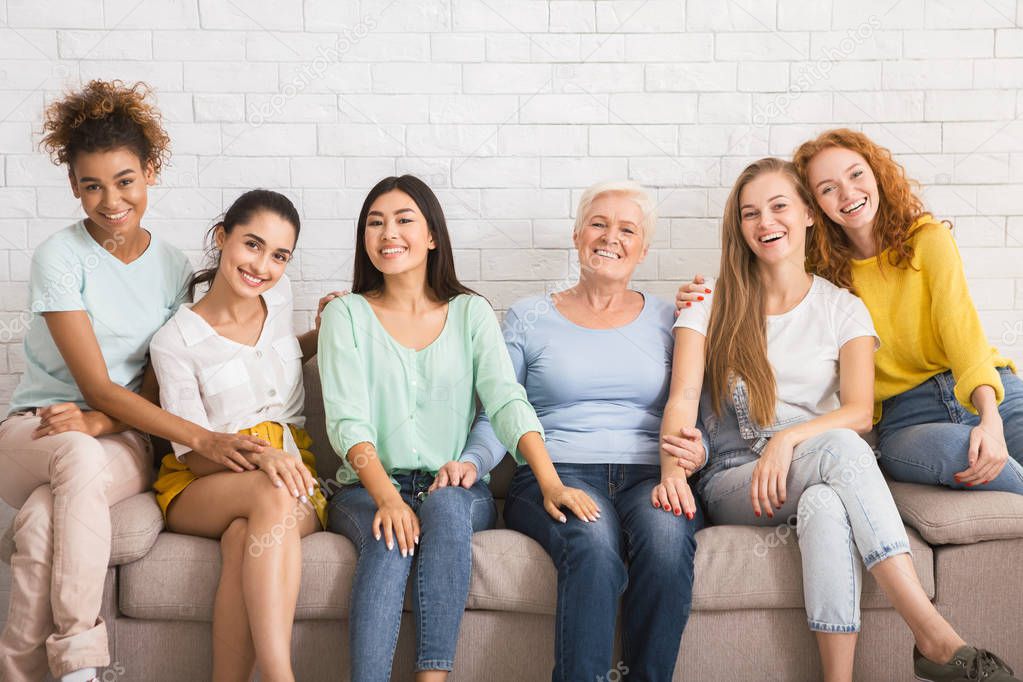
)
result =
(286, 471)
(395, 520)
(64, 417)
(455, 474)
(767, 489)
(578, 502)
(988, 454)
(674, 494)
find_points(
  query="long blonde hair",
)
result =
(737, 334)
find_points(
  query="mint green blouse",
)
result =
(416, 407)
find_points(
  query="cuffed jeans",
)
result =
(591, 561)
(924, 434)
(441, 569)
(844, 512)
(63, 486)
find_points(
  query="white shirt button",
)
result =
(273, 392)
(259, 353)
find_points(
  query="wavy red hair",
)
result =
(829, 251)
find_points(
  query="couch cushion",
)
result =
(135, 524)
(944, 516)
(737, 567)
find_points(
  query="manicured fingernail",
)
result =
(390, 546)
(563, 519)
(417, 539)
(678, 512)
(706, 291)
(689, 304)
(757, 513)
(657, 505)
(969, 485)
(377, 537)
(278, 484)
(690, 515)
(412, 551)
(294, 491)
(699, 298)
(303, 499)
(310, 491)
(404, 553)
(770, 515)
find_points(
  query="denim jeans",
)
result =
(924, 434)
(844, 514)
(441, 569)
(591, 560)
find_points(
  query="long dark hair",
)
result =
(241, 212)
(440, 262)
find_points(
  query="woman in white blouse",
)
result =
(232, 362)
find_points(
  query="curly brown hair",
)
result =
(829, 251)
(102, 116)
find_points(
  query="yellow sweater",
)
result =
(925, 319)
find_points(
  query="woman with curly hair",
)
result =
(73, 443)
(948, 407)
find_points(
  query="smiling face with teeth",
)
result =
(254, 255)
(773, 218)
(113, 188)
(398, 238)
(610, 239)
(845, 188)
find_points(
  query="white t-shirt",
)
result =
(802, 347)
(227, 386)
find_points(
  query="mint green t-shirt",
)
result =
(127, 304)
(416, 407)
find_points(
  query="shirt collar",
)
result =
(194, 329)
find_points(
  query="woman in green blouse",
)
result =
(402, 361)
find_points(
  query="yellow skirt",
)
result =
(175, 476)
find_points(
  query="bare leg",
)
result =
(837, 649)
(233, 652)
(271, 560)
(432, 676)
(935, 637)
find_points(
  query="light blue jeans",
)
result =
(844, 514)
(924, 434)
(441, 570)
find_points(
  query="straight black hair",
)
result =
(440, 262)
(240, 213)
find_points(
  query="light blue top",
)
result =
(126, 303)
(416, 407)
(599, 393)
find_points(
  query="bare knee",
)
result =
(233, 539)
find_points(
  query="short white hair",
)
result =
(632, 190)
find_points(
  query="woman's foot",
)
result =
(967, 665)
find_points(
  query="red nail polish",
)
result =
(706, 291)
(969, 485)
(688, 304)
(690, 515)
(657, 505)
(699, 298)
(757, 513)
(678, 512)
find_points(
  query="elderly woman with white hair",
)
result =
(595, 360)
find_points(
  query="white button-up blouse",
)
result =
(227, 386)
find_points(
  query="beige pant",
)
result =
(63, 486)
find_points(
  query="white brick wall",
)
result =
(509, 109)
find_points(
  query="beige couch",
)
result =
(747, 623)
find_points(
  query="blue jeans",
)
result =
(441, 570)
(591, 561)
(843, 511)
(924, 434)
